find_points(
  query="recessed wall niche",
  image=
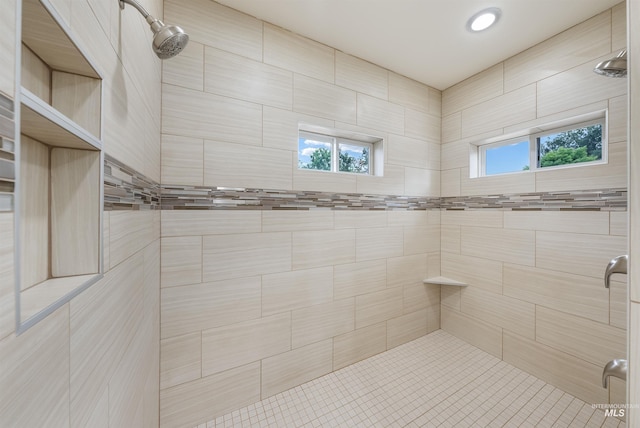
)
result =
(59, 191)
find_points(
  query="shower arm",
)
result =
(150, 19)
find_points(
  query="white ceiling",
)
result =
(425, 40)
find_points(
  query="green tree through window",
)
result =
(573, 146)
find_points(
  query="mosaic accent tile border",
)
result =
(7, 153)
(181, 198)
(127, 189)
(578, 200)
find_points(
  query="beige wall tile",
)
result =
(619, 26)
(471, 217)
(450, 238)
(506, 312)
(409, 152)
(481, 87)
(410, 218)
(109, 313)
(477, 272)
(580, 254)
(380, 306)
(450, 296)
(452, 127)
(496, 184)
(34, 213)
(191, 308)
(618, 304)
(406, 328)
(323, 181)
(418, 124)
(379, 114)
(129, 232)
(181, 260)
(506, 245)
(391, 184)
(593, 222)
(573, 375)
(7, 278)
(180, 359)
(8, 48)
(589, 39)
(617, 125)
(204, 399)
(235, 345)
(288, 221)
(237, 165)
(604, 176)
(359, 344)
(450, 183)
(574, 294)
(360, 219)
(182, 160)
(407, 270)
(361, 76)
(219, 26)
(487, 337)
(565, 90)
(323, 248)
(290, 51)
(280, 128)
(324, 321)
(414, 95)
(419, 240)
(585, 339)
(295, 367)
(198, 114)
(378, 243)
(433, 264)
(236, 76)
(41, 354)
(318, 98)
(455, 155)
(423, 296)
(296, 289)
(359, 278)
(242, 255)
(508, 109)
(421, 182)
(186, 69)
(209, 222)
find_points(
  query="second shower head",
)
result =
(168, 40)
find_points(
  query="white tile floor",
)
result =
(435, 381)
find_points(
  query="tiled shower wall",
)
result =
(258, 300)
(95, 361)
(536, 297)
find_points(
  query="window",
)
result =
(325, 149)
(558, 147)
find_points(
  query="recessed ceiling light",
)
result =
(483, 19)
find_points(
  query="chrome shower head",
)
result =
(168, 40)
(614, 67)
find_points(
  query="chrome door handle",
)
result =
(616, 265)
(616, 368)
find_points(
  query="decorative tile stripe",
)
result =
(7, 153)
(583, 200)
(127, 189)
(181, 198)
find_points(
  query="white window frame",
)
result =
(336, 138)
(481, 154)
